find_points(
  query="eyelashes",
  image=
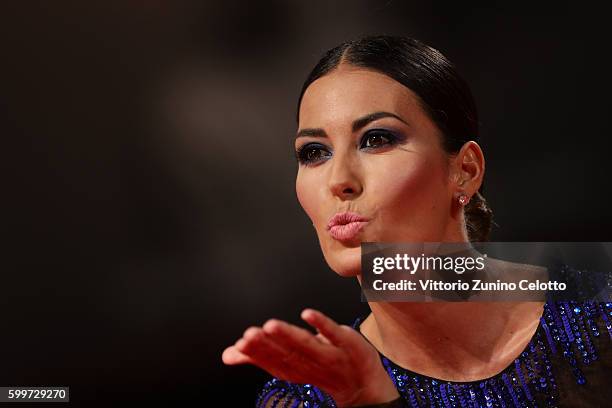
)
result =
(312, 153)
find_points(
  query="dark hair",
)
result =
(443, 95)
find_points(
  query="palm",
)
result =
(337, 359)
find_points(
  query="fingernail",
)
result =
(307, 314)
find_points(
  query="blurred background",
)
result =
(150, 211)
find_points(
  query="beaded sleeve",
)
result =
(282, 394)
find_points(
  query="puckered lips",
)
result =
(345, 226)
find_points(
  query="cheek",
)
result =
(410, 198)
(306, 192)
(309, 197)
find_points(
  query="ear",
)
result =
(468, 169)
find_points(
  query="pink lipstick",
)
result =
(346, 226)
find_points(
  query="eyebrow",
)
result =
(357, 124)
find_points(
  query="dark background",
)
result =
(150, 211)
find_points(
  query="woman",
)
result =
(387, 152)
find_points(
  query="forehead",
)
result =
(349, 92)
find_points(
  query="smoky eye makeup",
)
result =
(377, 138)
(311, 153)
(371, 140)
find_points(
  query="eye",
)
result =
(376, 138)
(312, 153)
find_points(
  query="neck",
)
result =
(454, 341)
(463, 341)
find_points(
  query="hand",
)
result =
(337, 359)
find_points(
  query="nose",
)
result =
(345, 179)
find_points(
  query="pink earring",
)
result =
(464, 199)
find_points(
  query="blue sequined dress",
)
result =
(567, 363)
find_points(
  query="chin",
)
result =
(345, 261)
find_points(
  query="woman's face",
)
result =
(366, 146)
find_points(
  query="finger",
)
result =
(232, 356)
(340, 335)
(335, 333)
(273, 358)
(301, 340)
(323, 339)
(294, 365)
(257, 344)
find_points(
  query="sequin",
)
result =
(566, 330)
